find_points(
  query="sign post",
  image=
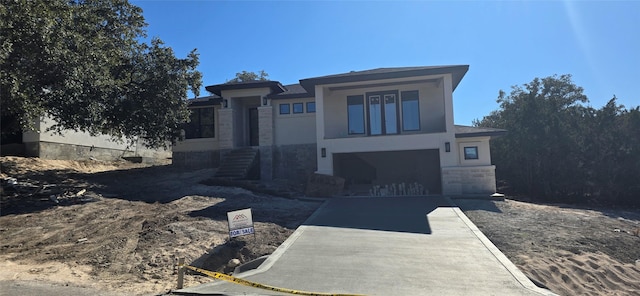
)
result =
(240, 223)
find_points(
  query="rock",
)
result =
(234, 262)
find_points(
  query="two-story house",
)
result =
(373, 128)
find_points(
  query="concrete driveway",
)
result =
(385, 246)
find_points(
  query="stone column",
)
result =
(225, 128)
(265, 140)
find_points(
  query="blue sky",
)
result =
(505, 43)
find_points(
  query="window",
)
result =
(383, 113)
(410, 111)
(471, 152)
(311, 107)
(201, 124)
(285, 109)
(298, 108)
(355, 110)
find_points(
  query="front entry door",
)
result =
(254, 139)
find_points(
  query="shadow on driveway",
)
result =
(405, 214)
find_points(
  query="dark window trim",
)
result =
(382, 111)
(364, 117)
(314, 107)
(471, 155)
(301, 108)
(193, 130)
(417, 98)
(288, 111)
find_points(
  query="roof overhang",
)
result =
(463, 131)
(457, 72)
(275, 86)
(205, 101)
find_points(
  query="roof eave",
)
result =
(492, 134)
(457, 72)
(275, 86)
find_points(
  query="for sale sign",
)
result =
(240, 222)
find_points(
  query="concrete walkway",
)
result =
(385, 246)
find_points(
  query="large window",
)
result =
(355, 109)
(201, 124)
(383, 113)
(410, 111)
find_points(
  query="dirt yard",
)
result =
(570, 250)
(119, 227)
(125, 231)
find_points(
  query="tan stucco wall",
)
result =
(202, 144)
(435, 106)
(60, 145)
(242, 93)
(69, 137)
(484, 153)
(293, 129)
(432, 107)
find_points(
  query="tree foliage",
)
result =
(558, 148)
(82, 64)
(245, 76)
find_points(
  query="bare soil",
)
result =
(570, 250)
(118, 228)
(129, 223)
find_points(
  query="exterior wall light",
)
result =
(323, 152)
(225, 103)
(447, 147)
(264, 101)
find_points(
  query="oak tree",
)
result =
(83, 64)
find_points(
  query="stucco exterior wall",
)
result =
(202, 144)
(432, 107)
(294, 129)
(484, 153)
(435, 104)
(81, 145)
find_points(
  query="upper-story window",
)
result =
(311, 107)
(355, 110)
(383, 114)
(201, 124)
(410, 111)
(285, 109)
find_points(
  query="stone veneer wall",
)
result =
(48, 150)
(197, 159)
(294, 162)
(469, 180)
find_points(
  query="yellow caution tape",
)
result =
(228, 278)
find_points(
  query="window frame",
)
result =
(471, 155)
(382, 97)
(350, 99)
(309, 104)
(403, 99)
(194, 128)
(293, 108)
(288, 109)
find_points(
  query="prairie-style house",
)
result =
(373, 128)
